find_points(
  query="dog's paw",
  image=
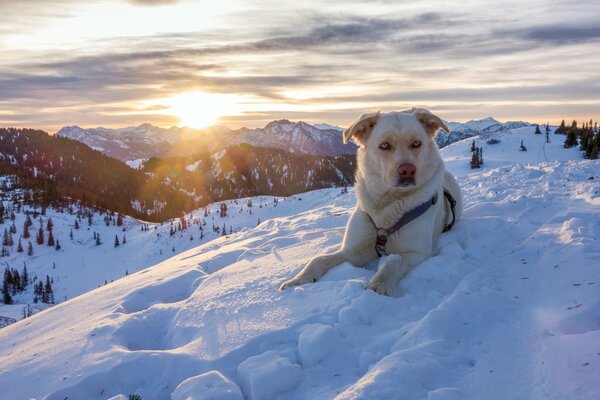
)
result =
(297, 280)
(380, 287)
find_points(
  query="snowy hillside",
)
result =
(507, 309)
(82, 264)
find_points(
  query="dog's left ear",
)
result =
(361, 128)
(431, 122)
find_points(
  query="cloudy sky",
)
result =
(245, 62)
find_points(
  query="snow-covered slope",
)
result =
(507, 309)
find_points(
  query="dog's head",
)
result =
(397, 149)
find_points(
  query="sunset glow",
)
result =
(117, 63)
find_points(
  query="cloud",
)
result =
(152, 2)
(558, 34)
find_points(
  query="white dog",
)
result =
(405, 198)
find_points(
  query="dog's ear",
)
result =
(432, 123)
(361, 128)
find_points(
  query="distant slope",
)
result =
(507, 308)
(244, 170)
(56, 168)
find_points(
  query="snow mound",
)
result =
(267, 375)
(316, 342)
(209, 386)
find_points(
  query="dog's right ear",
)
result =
(361, 128)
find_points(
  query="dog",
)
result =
(401, 183)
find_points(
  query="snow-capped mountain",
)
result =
(136, 142)
(145, 141)
(510, 296)
(296, 137)
(460, 131)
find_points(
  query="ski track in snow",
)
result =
(507, 309)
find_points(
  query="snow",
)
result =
(194, 166)
(209, 386)
(137, 163)
(507, 308)
(268, 374)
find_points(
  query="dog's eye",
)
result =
(385, 146)
(416, 144)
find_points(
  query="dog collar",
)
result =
(383, 234)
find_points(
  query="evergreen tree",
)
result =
(537, 130)
(6, 297)
(26, 234)
(522, 147)
(119, 220)
(124, 239)
(50, 239)
(20, 247)
(71, 234)
(57, 247)
(98, 242)
(40, 236)
(224, 231)
(571, 139)
(24, 277)
(29, 249)
(116, 241)
(49, 225)
(562, 129)
(76, 224)
(5, 241)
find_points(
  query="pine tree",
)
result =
(124, 239)
(76, 224)
(24, 277)
(50, 239)
(562, 129)
(116, 241)
(49, 225)
(5, 238)
(57, 247)
(40, 236)
(71, 234)
(29, 249)
(224, 231)
(119, 220)
(6, 297)
(20, 247)
(537, 130)
(571, 139)
(26, 234)
(98, 242)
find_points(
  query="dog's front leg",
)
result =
(315, 269)
(394, 268)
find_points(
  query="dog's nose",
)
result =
(407, 170)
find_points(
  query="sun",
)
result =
(201, 109)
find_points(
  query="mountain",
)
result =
(511, 296)
(135, 142)
(460, 131)
(55, 169)
(296, 137)
(147, 141)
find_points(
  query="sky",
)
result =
(246, 62)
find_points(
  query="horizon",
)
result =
(188, 63)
